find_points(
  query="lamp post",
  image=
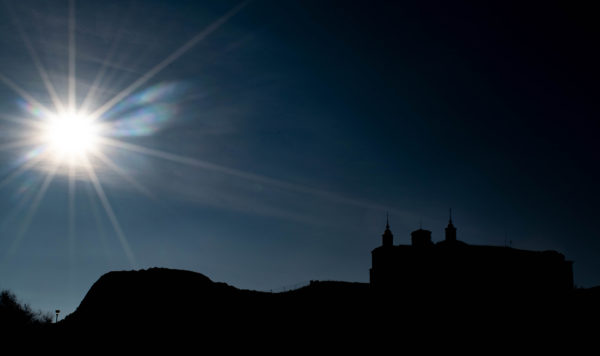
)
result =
(57, 312)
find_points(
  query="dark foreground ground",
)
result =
(173, 308)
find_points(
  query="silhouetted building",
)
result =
(453, 266)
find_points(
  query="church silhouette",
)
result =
(455, 268)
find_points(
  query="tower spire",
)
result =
(388, 237)
(450, 229)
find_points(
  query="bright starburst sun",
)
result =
(71, 135)
(69, 139)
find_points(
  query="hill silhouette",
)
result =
(168, 298)
(167, 304)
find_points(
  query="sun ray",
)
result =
(168, 60)
(114, 79)
(72, 44)
(26, 196)
(32, 210)
(37, 62)
(127, 62)
(28, 163)
(193, 162)
(35, 124)
(18, 144)
(25, 95)
(189, 161)
(100, 227)
(137, 185)
(213, 167)
(102, 72)
(71, 212)
(110, 213)
(99, 77)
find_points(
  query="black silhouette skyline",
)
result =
(490, 289)
(451, 268)
(261, 143)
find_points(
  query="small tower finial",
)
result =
(388, 237)
(450, 229)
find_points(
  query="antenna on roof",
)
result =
(450, 214)
(387, 220)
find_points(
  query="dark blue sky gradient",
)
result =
(345, 110)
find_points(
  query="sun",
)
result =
(74, 138)
(71, 134)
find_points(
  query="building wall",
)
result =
(469, 268)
